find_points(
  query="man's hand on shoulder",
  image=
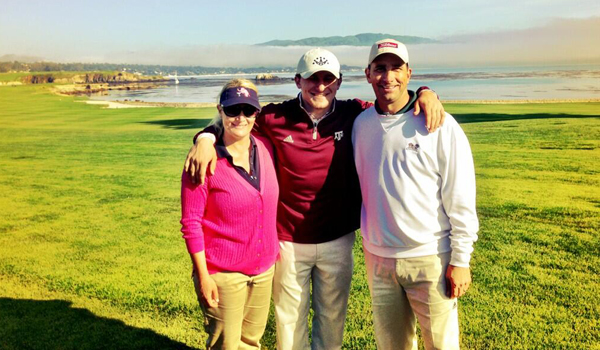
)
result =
(202, 156)
(458, 281)
(429, 103)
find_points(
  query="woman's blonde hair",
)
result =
(217, 122)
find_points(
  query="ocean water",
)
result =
(489, 83)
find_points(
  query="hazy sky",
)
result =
(217, 33)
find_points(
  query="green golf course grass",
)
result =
(91, 255)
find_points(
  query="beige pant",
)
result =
(406, 290)
(241, 317)
(327, 268)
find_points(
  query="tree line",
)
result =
(16, 66)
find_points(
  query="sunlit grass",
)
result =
(90, 215)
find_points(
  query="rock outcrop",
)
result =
(90, 78)
(265, 76)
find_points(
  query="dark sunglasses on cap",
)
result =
(235, 110)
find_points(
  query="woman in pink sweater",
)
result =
(229, 226)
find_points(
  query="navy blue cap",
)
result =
(239, 95)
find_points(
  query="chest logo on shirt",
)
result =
(413, 147)
(289, 139)
(338, 135)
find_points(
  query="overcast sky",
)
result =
(221, 33)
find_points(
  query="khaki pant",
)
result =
(406, 290)
(328, 268)
(241, 317)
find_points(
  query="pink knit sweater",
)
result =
(230, 220)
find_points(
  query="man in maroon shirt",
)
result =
(320, 199)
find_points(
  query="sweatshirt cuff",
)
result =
(426, 88)
(460, 259)
(205, 135)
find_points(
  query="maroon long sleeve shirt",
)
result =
(319, 193)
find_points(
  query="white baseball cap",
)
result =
(317, 60)
(388, 46)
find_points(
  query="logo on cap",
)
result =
(242, 91)
(320, 61)
(413, 147)
(387, 44)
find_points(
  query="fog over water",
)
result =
(560, 41)
(558, 60)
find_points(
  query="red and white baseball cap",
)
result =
(388, 46)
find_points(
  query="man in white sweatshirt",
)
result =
(418, 218)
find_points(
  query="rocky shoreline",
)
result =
(89, 83)
(102, 88)
(99, 83)
(142, 104)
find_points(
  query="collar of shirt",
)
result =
(331, 110)
(222, 151)
(408, 106)
(252, 177)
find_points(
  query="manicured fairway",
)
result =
(91, 255)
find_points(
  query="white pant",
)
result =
(406, 290)
(329, 266)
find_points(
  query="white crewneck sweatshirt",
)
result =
(418, 188)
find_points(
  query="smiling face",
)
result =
(238, 127)
(389, 77)
(318, 90)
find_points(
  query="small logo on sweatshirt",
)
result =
(413, 147)
(338, 135)
(289, 139)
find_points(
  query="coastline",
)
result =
(524, 101)
(102, 88)
(490, 86)
(142, 104)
